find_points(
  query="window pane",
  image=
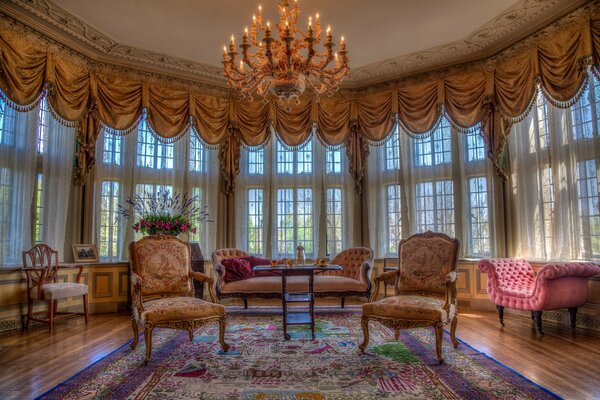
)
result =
(392, 152)
(285, 160)
(109, 223)
(475, 146)
(435, 207)
(256, 162)
(7, 124)
(197, 203)
(304, 218)
(150, 152)
(394, 218)
(581, 115)
(197, 155)
(589, 208)
(112, 150)
(39, 210)
(304, 161)
(334, 221)
(542, 121)
(479, 217)
(285, 222)
(333, 161)
(43, 126)
(435, 149)
(6, 253)
(255, 221)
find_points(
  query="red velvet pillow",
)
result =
(254, 261)
(237, 269)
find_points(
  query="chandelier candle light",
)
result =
(284, 66)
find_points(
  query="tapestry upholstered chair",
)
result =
(513, 284)
(163, 293)
(425, 289)
(40, 264)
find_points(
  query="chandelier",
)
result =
(284, 65)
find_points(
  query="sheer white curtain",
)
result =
(289, 196)
(140, 164)
(18, 157)
(440, 181)
(555, 164)
(56, 179)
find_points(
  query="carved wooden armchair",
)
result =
(425, 289)
(40, 264)
(162, 290)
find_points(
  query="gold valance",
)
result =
(493, 93)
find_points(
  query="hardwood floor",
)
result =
(562, 361)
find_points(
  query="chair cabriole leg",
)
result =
(439, 333)
(364, 322)
(222, 326)
(148, 340)
(453, 331)
(136, 334)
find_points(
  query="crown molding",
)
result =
(514, 24)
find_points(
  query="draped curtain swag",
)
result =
(492, 94)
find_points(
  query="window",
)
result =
(435, 149)
(255, 221)
(581, 116)
(475, 146)
(256, 162)
(38, 236)
(7, 124)
(333, 161)
(542, 121)
(478, 217)
(392, 152)
(43, 126)
(547, 210)
(197, 204)
(394, 218)
(109, 223)
(298, 161)
(197, 156)
(294, 221)
(150, 152)
(113, 149)
(5, 208)
(146, 192)
(39, 189)
(589, 208)
(334, 220)
(435, 207)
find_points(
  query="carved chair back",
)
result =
(352, 260)
(40, 264)
(163, 264)
(424, 260)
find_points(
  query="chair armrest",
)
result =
(200, 277)
(71, 266)
(452, 276)
(450, 289)
(383, 277)
(136, 293)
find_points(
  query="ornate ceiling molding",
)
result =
(522, 19)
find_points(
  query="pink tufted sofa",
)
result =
(513, 284)
(353, 280)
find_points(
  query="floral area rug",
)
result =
(262, 365)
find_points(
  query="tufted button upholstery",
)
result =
(353, 261)
(221, 254)
(513, 284)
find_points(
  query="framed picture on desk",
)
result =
(85, 253)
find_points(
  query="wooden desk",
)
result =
(295, 317)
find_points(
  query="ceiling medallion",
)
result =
(286, 64)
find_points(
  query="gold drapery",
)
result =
(493, 93)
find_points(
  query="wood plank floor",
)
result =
(565, 362)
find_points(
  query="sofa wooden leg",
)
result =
(500, 314)
(573, 315)
(245, 303)
(343, 302)
(538, 320)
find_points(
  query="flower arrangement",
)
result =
(164, 213)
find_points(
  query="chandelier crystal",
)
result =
(286, 64)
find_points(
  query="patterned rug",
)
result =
(262, 365)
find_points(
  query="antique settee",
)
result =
(513, 284)
(353, 280)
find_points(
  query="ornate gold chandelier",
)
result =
(284, 66)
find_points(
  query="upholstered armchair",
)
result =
(163, 293)
(425, 289)
(513, 284)
(40, 264)
(355, 277)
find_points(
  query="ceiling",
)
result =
(386, 38)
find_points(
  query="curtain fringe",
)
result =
(383, 141)
(64, 122)
(330, 147)
(534, 96)
(124, 132)
(201, 140)
(170, 140)
(287, 146)
(258, 147)
(17, 107)
(571, 102)
(427, 134)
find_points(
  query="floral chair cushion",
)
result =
(163, 266)
(424, 263)
(406, 307)
(173, 309)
